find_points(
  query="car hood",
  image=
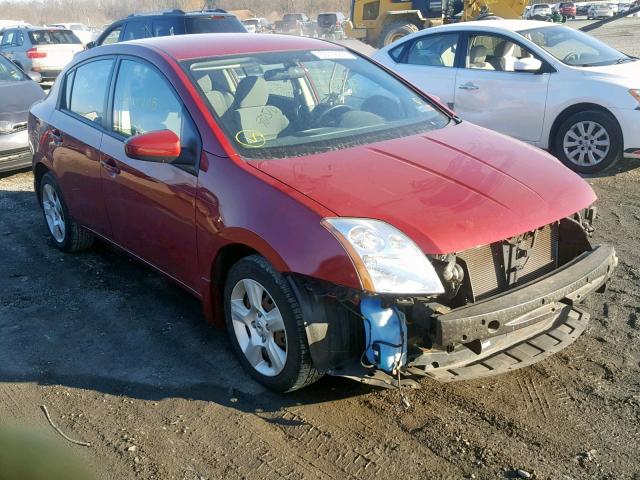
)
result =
(449, 190)
(629, 71)
(17, 97)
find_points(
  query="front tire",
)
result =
(589, 142)
(265, 325)
(64, 232)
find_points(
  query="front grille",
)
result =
(496, 267)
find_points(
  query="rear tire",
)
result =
(589, 142)
(266, 327)
(395, 31)
(64, 232)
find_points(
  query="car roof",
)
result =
(509, 25)
(202, 45)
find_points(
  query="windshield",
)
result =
(9, 72)
(215, 24)
(286, 104)
(573, 47)
(53, 37)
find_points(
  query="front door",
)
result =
(429, 63)
(491, 94)
(151, 205)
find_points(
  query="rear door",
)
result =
(77, 126)
(151, 205)
(429, 62)
(490, 93)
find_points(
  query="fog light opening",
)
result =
(493, 326)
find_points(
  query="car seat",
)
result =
(250, 112)
(478, 58)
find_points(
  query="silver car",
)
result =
(43, 50)
(17, 93)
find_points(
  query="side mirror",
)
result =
(35, 76)
(531, 65)
(162, 146)
(90, 45)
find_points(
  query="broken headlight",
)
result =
(386, 259)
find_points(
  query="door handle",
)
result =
(468, 86)
(111, 166)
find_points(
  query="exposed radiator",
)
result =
(494, 268)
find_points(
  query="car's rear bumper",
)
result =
(537, 317)
(14, 151)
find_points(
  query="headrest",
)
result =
(478, 54)
(205, 83)
(251, 92)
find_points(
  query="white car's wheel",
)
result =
(589, 141)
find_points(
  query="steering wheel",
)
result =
(331, 112)
(571, 58)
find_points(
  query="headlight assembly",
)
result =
(6, 126)
(386, 259)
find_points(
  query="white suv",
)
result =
(548, 85)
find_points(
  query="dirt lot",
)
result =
(123, 359)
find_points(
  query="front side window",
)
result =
(491, 52)
(136, 30)
(9, 71)
(433, 51)
(89, 89)
(574, 47)
(166, 27)
(113, 36)
(304, 102)
(214, 24)
(143, 102)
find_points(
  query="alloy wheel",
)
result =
(259, 327)
(586, 143)
(53, 213)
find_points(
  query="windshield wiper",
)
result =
(625, 60)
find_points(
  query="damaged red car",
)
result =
(333, 217)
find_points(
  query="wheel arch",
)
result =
(571, 110)
(39, 171)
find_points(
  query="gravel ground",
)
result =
(124, 360)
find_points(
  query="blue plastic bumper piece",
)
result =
(386, 334)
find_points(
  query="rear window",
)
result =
(215, 24)
(326, 19)
(53, 37)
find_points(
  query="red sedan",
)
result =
(333, 217)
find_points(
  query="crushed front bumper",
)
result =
(506, 332)
(519, 327)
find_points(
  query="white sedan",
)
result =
(548, 85)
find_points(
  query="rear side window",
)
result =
(89, 89)
(214, 24)
(53, 37)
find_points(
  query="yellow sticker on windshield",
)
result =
(250, 138)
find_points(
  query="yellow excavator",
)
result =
(380, 22)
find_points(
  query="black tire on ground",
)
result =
(298, 371)
(76, 238)
(608, 123)
(396, 30)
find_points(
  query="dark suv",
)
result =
(169, 22)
